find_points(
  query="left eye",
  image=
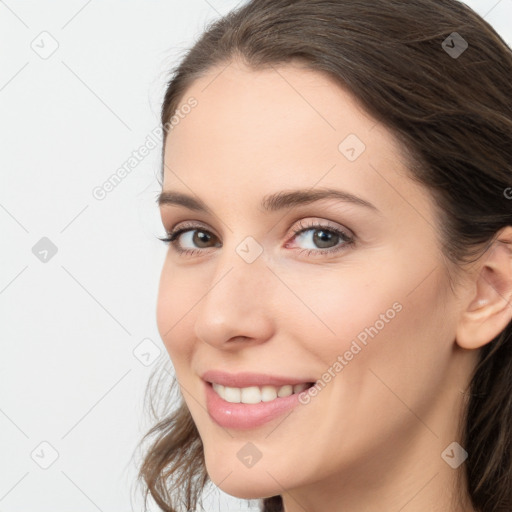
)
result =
(326, 238)
(329, 238)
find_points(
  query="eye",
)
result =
(328, 239)
(323, 239)
(192, 234)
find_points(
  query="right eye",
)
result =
(193, 235)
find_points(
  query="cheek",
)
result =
(174, 312)
(339, 307)
(375, 319)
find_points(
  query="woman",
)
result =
(335, 299)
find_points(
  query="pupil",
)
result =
(201, 236)
(327, 236)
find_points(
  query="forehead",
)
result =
(275, 105)
(276, 128)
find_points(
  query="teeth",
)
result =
(268, 393)
(300, 387)
(232, 395)
(250, 395)
(285, 391)
(254, 394)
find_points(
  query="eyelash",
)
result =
(348, 240)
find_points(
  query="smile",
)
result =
(255, 394)
(249, 400)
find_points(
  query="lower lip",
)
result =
(245, 416)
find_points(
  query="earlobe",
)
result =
(489, 310)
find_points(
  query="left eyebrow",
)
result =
(272, 202)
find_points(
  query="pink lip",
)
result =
(246, 416)
(246, 379)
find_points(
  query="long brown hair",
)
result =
(448, 99)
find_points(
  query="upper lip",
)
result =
(247, 379)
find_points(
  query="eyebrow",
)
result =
(270, 203)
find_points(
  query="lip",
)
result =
(247, 379)
(246, 416)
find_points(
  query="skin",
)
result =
(372, 438)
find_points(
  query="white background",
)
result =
(69, 375)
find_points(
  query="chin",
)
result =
(249, 484)
(245, 489)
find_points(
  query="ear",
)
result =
(489, 309)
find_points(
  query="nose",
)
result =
(237, 305)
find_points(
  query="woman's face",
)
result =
(358, 300)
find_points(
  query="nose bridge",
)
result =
(241, 269)
(235, 302)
